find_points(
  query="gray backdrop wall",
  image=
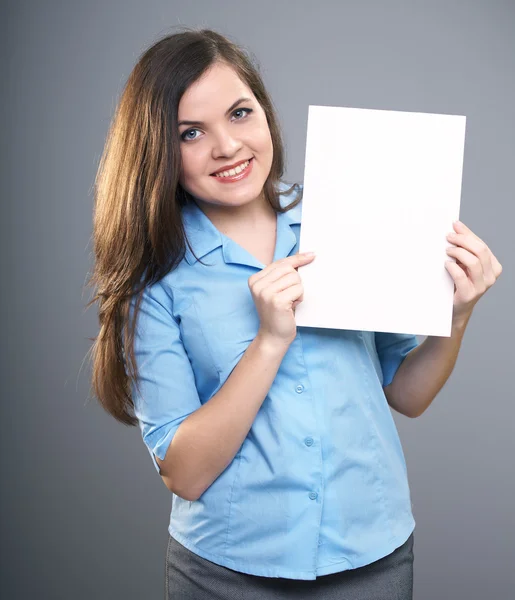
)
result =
(84, 514)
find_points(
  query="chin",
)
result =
(227, 195)
(242, 195)
(234, 200)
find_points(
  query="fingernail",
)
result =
(309, 254)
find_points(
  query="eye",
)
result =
(246, 110)
(185, 135)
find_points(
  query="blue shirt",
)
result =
(319, 484)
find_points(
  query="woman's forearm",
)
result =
(424, 371)
(207, 440)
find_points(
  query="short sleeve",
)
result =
(167, 393)
(392, 349)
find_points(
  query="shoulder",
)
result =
(156, 298)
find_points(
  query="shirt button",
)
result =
(313, 495)
(299, 389)
(308, 441)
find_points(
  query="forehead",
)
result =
(215, 91)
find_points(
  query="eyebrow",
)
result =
(233, 105)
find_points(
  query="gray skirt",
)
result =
(191, 577)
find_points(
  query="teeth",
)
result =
(235, 171)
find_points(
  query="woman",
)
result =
(287, 473)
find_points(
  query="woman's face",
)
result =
(220, 137)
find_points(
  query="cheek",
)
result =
(191, 162)
(263, 139)
(269, 147)
(188, 166)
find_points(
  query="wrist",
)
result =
(270, 345)
(459, 323)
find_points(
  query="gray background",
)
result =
(84, 514)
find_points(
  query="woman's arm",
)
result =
(424, 371)
(207, 440)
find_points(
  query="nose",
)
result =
(225, 143)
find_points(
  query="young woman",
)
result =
(278, 444)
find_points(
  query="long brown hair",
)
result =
(138, 233)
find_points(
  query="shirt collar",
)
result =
(204, 237)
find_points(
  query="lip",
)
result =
(243, 175)
(229, 167)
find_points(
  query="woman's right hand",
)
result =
(277, 290)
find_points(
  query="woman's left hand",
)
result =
(475, 271)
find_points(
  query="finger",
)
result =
(289, 295)
(298, 301)
(460, 277)
(472, 263)
(460, 227)
(295, 261)
(477, 247)
(274, 275)
(496, 266)
(291, 278)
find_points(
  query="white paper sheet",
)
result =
(381, 191)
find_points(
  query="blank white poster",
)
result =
(381, 191)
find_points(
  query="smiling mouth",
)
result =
(232, 172)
